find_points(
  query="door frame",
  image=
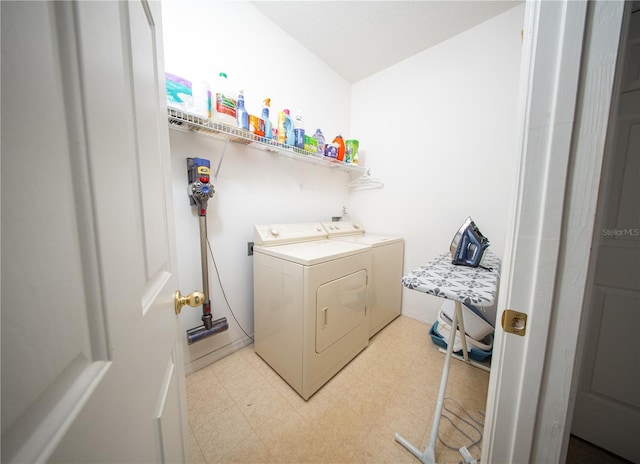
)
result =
(568, 67)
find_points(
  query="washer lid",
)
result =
(373, 240)
(311, 253)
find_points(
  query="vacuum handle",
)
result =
(203, 258)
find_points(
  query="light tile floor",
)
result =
(241, 411)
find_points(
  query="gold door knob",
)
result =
(192, 299)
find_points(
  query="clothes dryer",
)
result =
(310, 302)
(385, 285)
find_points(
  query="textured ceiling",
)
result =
(359, 38)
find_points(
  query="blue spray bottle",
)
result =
(268, 132)
(242, 116)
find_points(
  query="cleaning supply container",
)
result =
(298, 130)
(320, 138)
(282, 132)
(268, 132)
(341, 147)
(286, 134)
(242, 115)
(310, 144)
(331, 150)
(224, 108)
(351, 152)
(179, 92)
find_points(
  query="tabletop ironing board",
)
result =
(475, 286)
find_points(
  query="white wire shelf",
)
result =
(188, 122)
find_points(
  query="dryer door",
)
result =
(340, 308)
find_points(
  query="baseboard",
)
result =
(210, 358)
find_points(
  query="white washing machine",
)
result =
(310, 302)
(385, 285)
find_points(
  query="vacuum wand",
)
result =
(200, 190)
(207, 319)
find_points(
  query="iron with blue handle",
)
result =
(468, 245)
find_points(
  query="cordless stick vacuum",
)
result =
(200, 190)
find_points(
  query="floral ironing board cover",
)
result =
(471, 285)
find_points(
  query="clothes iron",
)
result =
(468, 245)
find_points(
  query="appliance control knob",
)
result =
(356, 226)
(319, 229)
(275, 232)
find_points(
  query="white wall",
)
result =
(445, 152)
(254, 187)
(439, 130)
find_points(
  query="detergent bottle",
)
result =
(298, 130)
(285, 128)
(282, 133)
(242, 115)
(341, 147)
(320, 138)
(288, 126)
(224, 108)
(268, 133)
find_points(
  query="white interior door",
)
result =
(607, 410)
(569, 54)
(91, 362)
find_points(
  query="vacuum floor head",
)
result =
(468, 245)
(200, 333)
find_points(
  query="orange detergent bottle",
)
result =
(341, 147)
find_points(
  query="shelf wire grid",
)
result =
(189, 122)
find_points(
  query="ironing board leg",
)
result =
(463, 338)
(428, 455)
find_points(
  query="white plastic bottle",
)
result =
(223, 108)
